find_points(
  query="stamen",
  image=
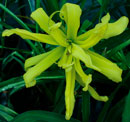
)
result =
(54, 26)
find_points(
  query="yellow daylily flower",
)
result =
(71, 50)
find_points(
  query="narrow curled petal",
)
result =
(59, 36)
(109, 69)
(94, 38)
(71, 14)
(34, 60)
(95, 95)
(29, 35)
(69, 92)
(66, 61)
(35, 71)
(55, 26)
(98, 27)
(42, 19)
(106, 18)
(86, 79)
(116, 28)
(82, 83)
(79, 53)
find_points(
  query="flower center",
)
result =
(69, 41)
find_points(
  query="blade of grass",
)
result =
(41, 116)
(37, 28)
(62, 2)
(59, 92)
(8, 110)
(82, 3)
(21, 23)
(31, 5)
(119, 47)
(6, 116)
(85, 106)
(60, 106)
(15, 49)
(14, 82)
(14, 16)
(126, 113)
(118, 40)
(84, 26)
(12, 56)
(116, 110)
(2, 119)
(37, 6)
(107, 104)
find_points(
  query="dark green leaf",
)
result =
(7, 110)
(114, 115)
(126, 113)
(41, 116)
(85, 106)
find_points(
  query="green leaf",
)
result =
(59, 92)
(107, 105)
(21, 23)
(119, 47)
(85, 106)
(82, 3)
(114, 115)
(6, 114)
(7, 110)
(120, 42)
(126, 113)
(14, 16)
(41, 116)
(128, 59)
(18, 81)
(51, 5)
(100, 2)
(104, 6)
(31, 5)
(104, 111)
(60, 106)
(16, 49)
(84, 26)
(14, 56)
(2, 119)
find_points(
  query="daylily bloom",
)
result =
(71, 50)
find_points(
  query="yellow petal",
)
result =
(79, 53)
(116, 28)
(30, 84)
(109, 69)
(86, 79)
(55, 26)
(86, 35)
(94, 38)
(66, 60)
(42, 19)
(69, 93)
(106, 18)
(35, 71)
(71, 14)
(59, 36)
(82, 83)
(29, 35)
(63, 59)
(34, 60)
(96, 96)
